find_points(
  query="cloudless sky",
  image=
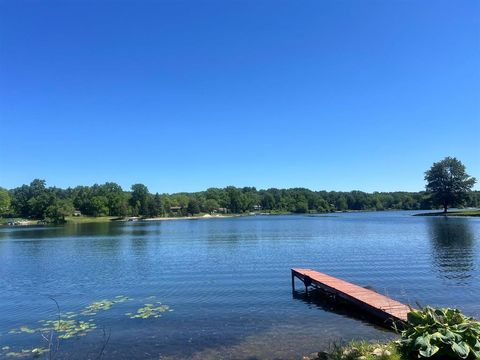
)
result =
(186, 95)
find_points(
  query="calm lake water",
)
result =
(228, 280)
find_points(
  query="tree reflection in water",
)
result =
(453, 248)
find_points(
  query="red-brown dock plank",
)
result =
(373, 303)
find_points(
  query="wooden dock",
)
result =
(380, 306)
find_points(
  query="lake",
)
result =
(226, 281)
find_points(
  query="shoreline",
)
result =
(165, 218)
(461, 213)
(91, 219)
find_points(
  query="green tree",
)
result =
(81, 196)
(341, 203)
(117, 204)
(98, 206)
(139, 198)
(158, 205)
(31, 200)
(5, 201)
(211, 205)
(236, 197)
(182, 200)
(301, 205)
(39, 204)
(117, 201)
(268, 201)
(193, 207)
(58, 210)
(448, 183)
(154, 205)
(219, 195)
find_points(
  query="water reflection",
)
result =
(67, 230)
(141, 229)
(453, 248)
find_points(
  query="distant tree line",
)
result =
(37, 201)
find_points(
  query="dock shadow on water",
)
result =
(453, 248)
(326, 302)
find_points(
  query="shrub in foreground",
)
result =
(441, 333)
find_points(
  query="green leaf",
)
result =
(450, 337)
(415, 317)
(461, 349)
(422, 342)
(429, 351)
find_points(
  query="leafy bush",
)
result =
(443, 333)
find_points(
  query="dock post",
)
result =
(307, 281)
(293, 281)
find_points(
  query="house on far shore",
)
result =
(175, 209)
(221, 210)
(257, 207)
(77, 213)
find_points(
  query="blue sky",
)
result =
(186, 95)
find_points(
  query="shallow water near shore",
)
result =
(227, 281)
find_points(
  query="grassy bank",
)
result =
(453, 213)
(362, 350)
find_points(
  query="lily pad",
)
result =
(104, 305)
(27, 353)
(68, 328)
(26, 329)
(93, 308)
(149, 310)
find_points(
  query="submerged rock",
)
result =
(381, 352)
(322, 355)
(351, 352)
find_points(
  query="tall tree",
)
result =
(237, 199)
(57, 212)
(139, 198)
(32, 200)
(448, 183)
(211, 205)
(98, 206)
(193, 207)
(4, 201)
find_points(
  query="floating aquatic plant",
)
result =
(149, 310)
(39, 351)
(65, 328)
(68, 328)
(26, 329)
(23, 353)
(22, 329)
(27, 353)
(122, 298)
(93, 308)
(103, 305)
(70, 315)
